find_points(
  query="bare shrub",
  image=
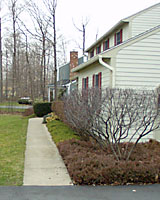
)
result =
(114, 116)
(81, 108)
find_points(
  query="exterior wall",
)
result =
(125, 36)
(90, 71)
(64, 72)
(138, 65)
(146, 20)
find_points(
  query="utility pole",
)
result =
(1, 71)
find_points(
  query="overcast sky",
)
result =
(102, 15)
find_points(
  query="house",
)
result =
(126, 56)
(67, 80)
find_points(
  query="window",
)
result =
(85, 83)
(118, 37)
(98, 49)
(92, 53)
(97, 80)
(106, 45)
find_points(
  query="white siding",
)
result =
(125, 36)
(138, 65)
(146, 20)
(95, 69)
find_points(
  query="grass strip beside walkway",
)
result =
(13, 129)
(60, 131)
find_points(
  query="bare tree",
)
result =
(115, 118)
(41, 24)
(51, 6)
(82, 29)
(15, 11)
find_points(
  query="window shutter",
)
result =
(100, 80)
(87, 83)
(93, 80)
(121, 35)
(99, 48)
(103, 46)
(115, 39)
(82, 83)
(108, 43)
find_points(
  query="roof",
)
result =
(96, 58)
(120, 23)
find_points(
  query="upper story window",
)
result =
(106, 45)
(92, 53)
(118, 37)
(98, 49)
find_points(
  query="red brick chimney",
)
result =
(73, 63)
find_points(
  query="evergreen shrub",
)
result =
(41, 109)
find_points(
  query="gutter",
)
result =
(110, 68)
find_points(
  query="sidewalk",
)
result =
(43, 163)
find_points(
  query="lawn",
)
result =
(11, 110)
(13, 129)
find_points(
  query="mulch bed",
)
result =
(88, 164)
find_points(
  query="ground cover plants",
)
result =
(88, 164)
(13, 129)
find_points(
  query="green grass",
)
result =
(13, 129)
(9, 103)
(60, 131)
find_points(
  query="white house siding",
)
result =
(125, 36)
(138, 65)
(146, 20)
(94, 69)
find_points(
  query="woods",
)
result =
(30, 43)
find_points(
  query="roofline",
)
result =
(121, 22)
(83, 65)
(94, 59)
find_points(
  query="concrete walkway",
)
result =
(43, 163)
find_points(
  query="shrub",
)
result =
(41, 109)
(113, 116)
(58, 108)
(28, 112)
(50, 117)
(88, 164)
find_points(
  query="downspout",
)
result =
(110, 68)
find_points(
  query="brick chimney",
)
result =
(73, 63)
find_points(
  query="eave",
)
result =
(114, 28)
(127, 42)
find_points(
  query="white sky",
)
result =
(102, 15)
